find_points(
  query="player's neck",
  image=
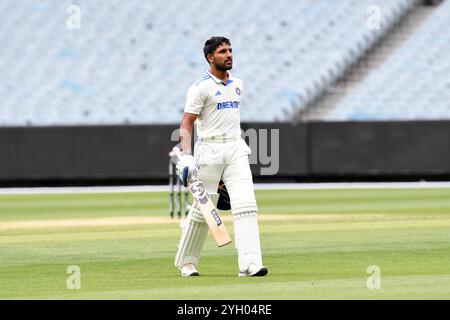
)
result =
(221, 75)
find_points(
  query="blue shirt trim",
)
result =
(205, 77)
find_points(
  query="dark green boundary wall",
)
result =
(325, 151)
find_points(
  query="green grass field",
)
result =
(317, 244)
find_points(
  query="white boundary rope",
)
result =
(259, 186)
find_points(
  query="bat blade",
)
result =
(210, 213)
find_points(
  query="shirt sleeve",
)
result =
(194, 100)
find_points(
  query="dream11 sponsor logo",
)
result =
(264, 145)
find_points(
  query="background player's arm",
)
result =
(187, 124)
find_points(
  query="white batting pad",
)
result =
(192, 239)
(247, 242)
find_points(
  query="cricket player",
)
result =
(214, 103)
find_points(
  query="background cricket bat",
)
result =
(206, 207)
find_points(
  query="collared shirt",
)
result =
(217, 105)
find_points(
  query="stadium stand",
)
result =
(414, 83)
(132, 62)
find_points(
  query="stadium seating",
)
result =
(131, 62)
(412, 84)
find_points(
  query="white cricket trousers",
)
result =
(228, 161)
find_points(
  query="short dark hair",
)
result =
(212, 44)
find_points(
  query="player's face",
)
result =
(223, 57)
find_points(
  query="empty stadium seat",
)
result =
(132, 61)
(412, 84)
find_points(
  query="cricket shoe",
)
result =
(254, 271)
(189, 270)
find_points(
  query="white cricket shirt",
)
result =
(217, 106)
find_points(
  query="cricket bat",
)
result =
(206, 206)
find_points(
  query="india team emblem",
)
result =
(238, 91)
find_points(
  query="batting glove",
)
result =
(187, 168)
